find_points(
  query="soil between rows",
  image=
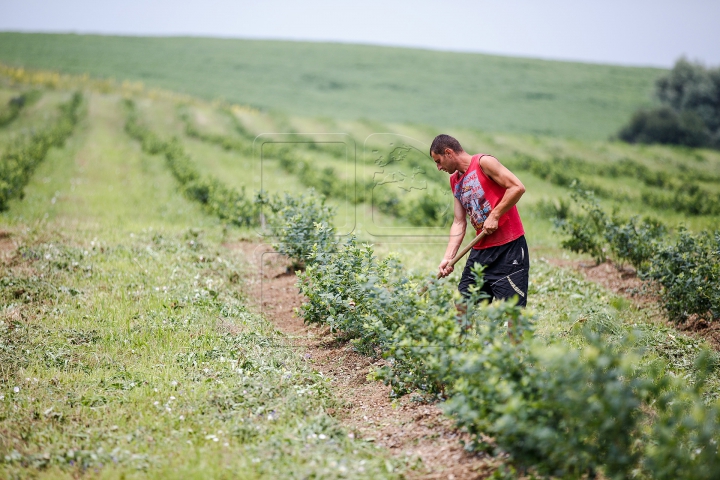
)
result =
(416, 432)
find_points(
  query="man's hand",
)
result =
(491, 223)
(444, 268)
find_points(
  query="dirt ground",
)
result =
(412, 431)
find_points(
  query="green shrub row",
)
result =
(558, 411)
(692, 200)
(243, 143)
(623, 168)
(431, 208)
(16, 104)
(227, 203)
(224, 141)
(563, 171)
(21, 158)
(238, 126)
(678, 191)
(686, 267)
(283, 125)
(327, 181)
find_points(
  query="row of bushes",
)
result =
(224, 141)
(429, 209)
(692, 200)
(558, 411)
(227, 203)
(678, 192)
(326, 180)
(242, 143)
(21, 158)
(562, 171)
(16, 104)
(686, 266)
(623, 168)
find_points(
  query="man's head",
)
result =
(445, 151)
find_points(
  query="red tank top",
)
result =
(479, 194)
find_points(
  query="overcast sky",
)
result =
(629, 32)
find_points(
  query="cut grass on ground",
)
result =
(128, 350)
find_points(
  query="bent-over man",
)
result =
(487, 192)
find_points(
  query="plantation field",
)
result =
(131, 346)
(122, 329)
(351, 82)
(417, 177)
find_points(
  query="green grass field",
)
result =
(351, 82)
(128, 345)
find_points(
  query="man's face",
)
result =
(445, 162)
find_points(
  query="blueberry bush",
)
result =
(557, 410)
(686, 266)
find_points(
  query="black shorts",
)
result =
(506, 271)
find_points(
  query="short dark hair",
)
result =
(442, 142)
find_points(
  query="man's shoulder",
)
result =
(489, 165)
(484, 158)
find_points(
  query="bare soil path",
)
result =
(418, 433)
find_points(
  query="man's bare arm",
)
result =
(457, 234)
(506, 179)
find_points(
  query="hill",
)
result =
(395, 85)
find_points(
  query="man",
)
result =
(487, 192)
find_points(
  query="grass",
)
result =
(127, 348)
(349, 82)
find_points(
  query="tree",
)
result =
(690, 115)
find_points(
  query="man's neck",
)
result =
(464, 160)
